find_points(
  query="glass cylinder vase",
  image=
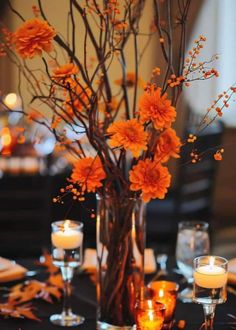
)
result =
(120, 253)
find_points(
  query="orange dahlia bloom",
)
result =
(65, 71)
(151, 178)
(88, 173)
(156, 108)
(168, 145)
(32, 37)
(108, 107)
(129, 135)
(130, 80)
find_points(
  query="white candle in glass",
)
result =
(210, 276)
(67, 238)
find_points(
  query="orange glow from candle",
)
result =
(149, 315)
(166, 293)
(6, 137)
(6, 141)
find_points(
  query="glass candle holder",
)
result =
(149, 315)
(210, 280)
(166, 292)
(67, 239)
(192, 241)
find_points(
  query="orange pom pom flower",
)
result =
(33, 37)
(65, 71)
(88, 174)
(156, 108)
(151, 178)
(129, 135)
(168, 145)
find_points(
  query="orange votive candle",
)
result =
(149, 315)
(165, 292)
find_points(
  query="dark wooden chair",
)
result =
(192, 198)
(24, 214)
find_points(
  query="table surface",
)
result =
(84, 303)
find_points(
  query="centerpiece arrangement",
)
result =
(118, 128)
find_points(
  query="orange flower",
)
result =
(151, 178)
(32, 37)
(88, 173)
(65, 71)
(109, 106)
(156, 108)
(168, 145)
(129, 135)
(129, 80)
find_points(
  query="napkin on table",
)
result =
(90, 260)
(10, 271)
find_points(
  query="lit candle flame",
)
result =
(149, 304)
(212, 262)
(150, 312)
(161, 293)
(66, 226)
(150, 315)
(6, 137)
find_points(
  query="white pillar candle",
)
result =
(210, 276)
(67, 238)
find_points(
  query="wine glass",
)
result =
(67, 239)
(210, 279)
(192, 241)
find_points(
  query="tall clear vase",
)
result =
(120, 253)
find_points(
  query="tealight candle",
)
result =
(149, 315)
(210, 276)
(165, 292)
(67, 238)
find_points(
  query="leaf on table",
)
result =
(53, 291)
(48, 263)
(23, 311)
(26, 311)
(56, 280)
(34, 289)
(24, 292)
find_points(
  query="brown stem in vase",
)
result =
(118, 279)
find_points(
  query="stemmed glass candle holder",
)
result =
(210, 279)
(67, 239)
(192, 242)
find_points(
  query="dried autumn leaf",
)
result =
(53, 291)
(10, 310)
(25, 292)
(48, 263)
(36, 290)
(26, 311)
(56, 280)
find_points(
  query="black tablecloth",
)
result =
(84, 303)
